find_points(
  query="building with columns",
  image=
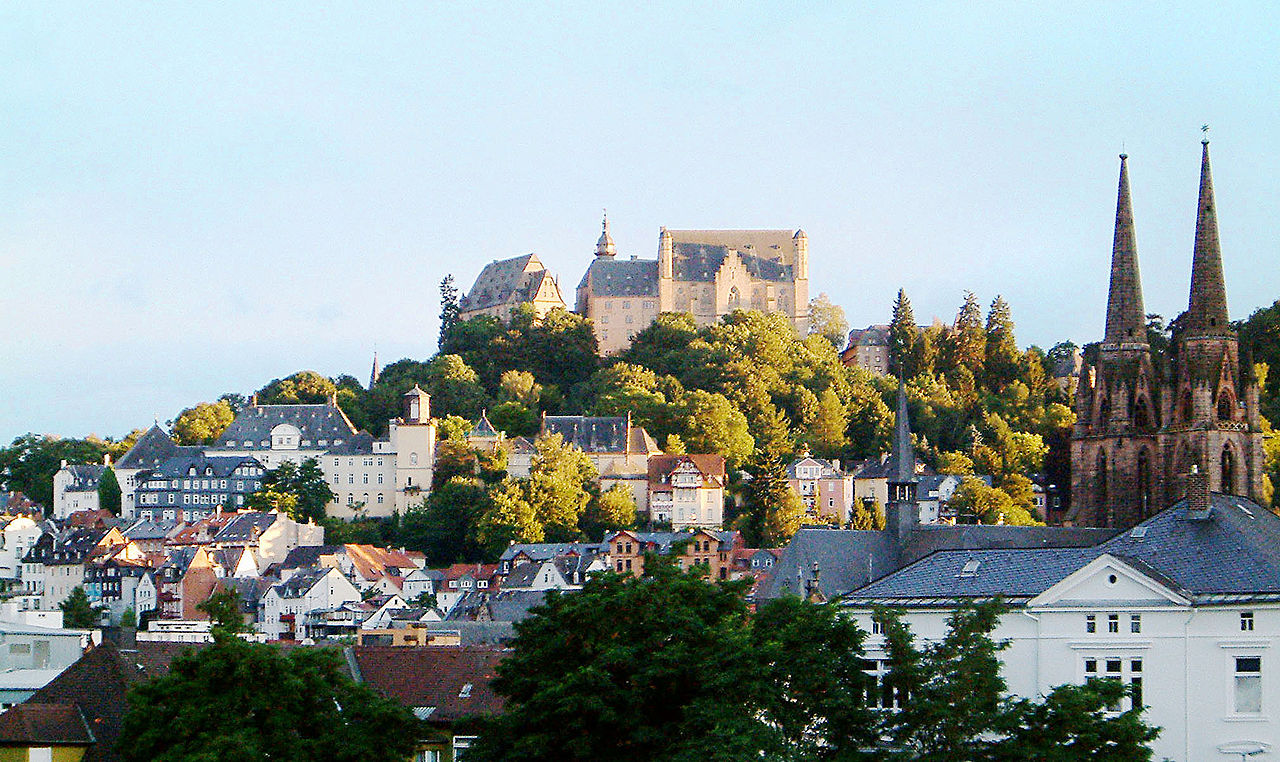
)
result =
(1143, 421)
(707, 273)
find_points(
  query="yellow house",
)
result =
(44, 733)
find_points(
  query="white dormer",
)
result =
(285, 437)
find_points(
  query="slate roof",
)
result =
(433, 676)
(246, 527)
(523, 575)
(308, 555)
(97, 683)
(483, 429)
(44, 725)
(84, 477)
(829, 471)
(298, 585)
(144, 529)
(622, 277)
(316, 422)
(850, 559)
(872, 336)
(505, 281)
(1231, 554)
(595, 434)
(180, 465)
(474, 633)
(541, 551)
(153, 448)
(699, 263)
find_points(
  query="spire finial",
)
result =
(1204, 128)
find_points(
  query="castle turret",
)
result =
(802, 255)
(666, 254)
(604, 246)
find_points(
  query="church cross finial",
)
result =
(1204, 128)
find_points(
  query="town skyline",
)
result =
(146, 202)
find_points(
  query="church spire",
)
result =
(904, 457)
(1126, 320)
(1207, 310)
(376, 372)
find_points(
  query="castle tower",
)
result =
(604, 246)
(1115, 478)
(1211, 413)
(412, 438)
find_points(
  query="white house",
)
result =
(16, 539)
(1185, 608)
(289, 609)
(75, 488)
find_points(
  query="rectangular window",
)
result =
(1113, 623)
(1246, 621)
(1126, 670)
(1248, 698)
(1090, 623)
(881, 693)
(1135, 623)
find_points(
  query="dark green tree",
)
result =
(78, 613)
(306, 387)
(1001, 364)
(109, 491)
(773, 511)
(904, 336)
(234, 701)
(669, 667)
(449, 308)
(301, 491)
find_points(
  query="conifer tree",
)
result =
(1002, 355)
(904, 335)
(449, 308)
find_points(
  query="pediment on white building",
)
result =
(1109, 578)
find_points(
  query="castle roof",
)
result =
(507, 281)
(254, 423)
(622, 277)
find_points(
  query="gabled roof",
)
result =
(308, 555)
(600, 434)
(710, 466)
(541, 551)
(454, 681)
(247, 526)
(846, 560)
(145, 529)
(301, 583)
(828, 469)
(96, 684)
(221, 466)
(152, 448)
(483, 428)
(507, 281)
(84, 477)
(1233, 553)
(44, 725)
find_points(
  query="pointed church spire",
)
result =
(373, 376)
(1207, 310)
(904, 457)
(1126, 320)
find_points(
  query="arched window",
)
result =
(1224, 407)
(1102, 478)
(1144, 482)
(1142, 415)
(1228, 471)
(1104, 411)
(735, 298)
(1185, 407)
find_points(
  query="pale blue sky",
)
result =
(196, 200)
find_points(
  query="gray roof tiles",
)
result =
(316, 422)
(152, 448)
(622, 277)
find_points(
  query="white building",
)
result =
(16, 539)
(686, 491)
(291, 608)
(75, 488)
(369, 477)
(1185, 607)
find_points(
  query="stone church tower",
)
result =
(1140, 428)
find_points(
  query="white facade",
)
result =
(1209, 673)
(280, 606)
(72, 491)
(16, 539)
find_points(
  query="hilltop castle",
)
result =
(1142, 425)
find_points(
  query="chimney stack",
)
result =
(1198, 491)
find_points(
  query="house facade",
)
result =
(687, 491)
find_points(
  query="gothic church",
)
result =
(1142, 424)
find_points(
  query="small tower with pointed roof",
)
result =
(903, 511)
(604, 246)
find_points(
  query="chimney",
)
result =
(1198, 493)
(812, 591)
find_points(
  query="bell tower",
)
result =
(1211, 400)
(1115, 479)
